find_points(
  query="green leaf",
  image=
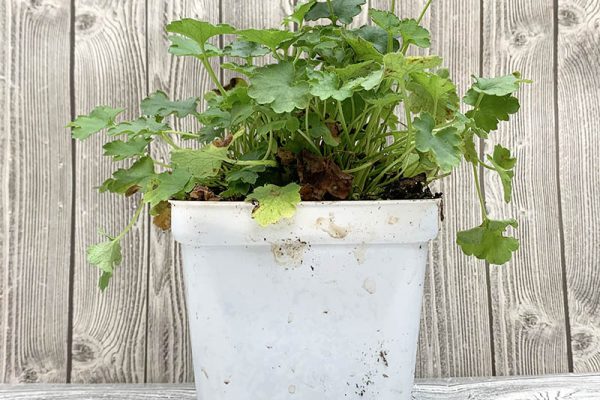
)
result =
(433, 94)
(246, 175)
(199, 31)
(413, 33)
(504, 164)
(120, 150)
(499, 86)
(158, 104)
(275, 203)
(139, 174)
(326, 85)
(201, 164)
(166, 185)
(277, 86)
(343, 10)
(351, 71)
(272, 38)
(398, 66)
(363, 49)
(100, 118)
(183, 46)
(319, 130)
(444, 144)
(246, 49)
(142, 126)
(378, 37)
(297, 17)
(487, 242)
(490, 110)
(386, 20)
(106, 256)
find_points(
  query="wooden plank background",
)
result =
(540, 314)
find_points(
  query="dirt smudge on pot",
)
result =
(289, 253)
(360, 253)
(392, 220)
(370, 286)
(331, 228)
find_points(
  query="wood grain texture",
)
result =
(109, 329)
(169, 356)
(579, 143)
(35, 190)
(566, 387)
(455, 330)
(528, 302)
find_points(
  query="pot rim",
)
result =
(344, 203)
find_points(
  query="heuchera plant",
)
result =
(311, 115)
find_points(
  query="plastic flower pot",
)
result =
(323, 306)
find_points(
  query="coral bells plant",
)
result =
(315, 112)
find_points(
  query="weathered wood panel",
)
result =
(579, 144)
(528, 303)
(455, 312)
(169, 352)
(109, 329)
(35, 190)
(567, 387)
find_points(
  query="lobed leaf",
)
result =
(444, 144)
(276, 85)
(488, 242)
(275, 203)
(343, 10)
(158, 104)
(100, 118)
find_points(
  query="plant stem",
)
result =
(484, 214)
(309, 140)
(132, 222)
(424, 11)
(331, 11)
(162, 164)
(393, 6)
(213, 76)
(169, 141)
(252, 163)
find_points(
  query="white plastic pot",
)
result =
(324, 306)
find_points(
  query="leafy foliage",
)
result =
(318, 112)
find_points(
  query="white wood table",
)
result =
(561, 387)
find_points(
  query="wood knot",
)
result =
(569, 16)
(29, 375)
(85, 22)
(583, 341)
(83, 351)
(519, 39)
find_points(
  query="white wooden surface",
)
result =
(547, 388)
(539, 314)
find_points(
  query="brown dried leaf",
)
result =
(321, 178)
(286, 157)
(132, 190)
(202, 193)
(163, 217)
(223, 142)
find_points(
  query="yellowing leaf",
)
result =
(275, 203)
(201, 164)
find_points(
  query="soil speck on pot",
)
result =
(290, 318)
(383, 357)
(370, 286)
(227, 381)
(392, 220)
(289, 252)
(331, 228)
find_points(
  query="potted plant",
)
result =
(304, 216)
